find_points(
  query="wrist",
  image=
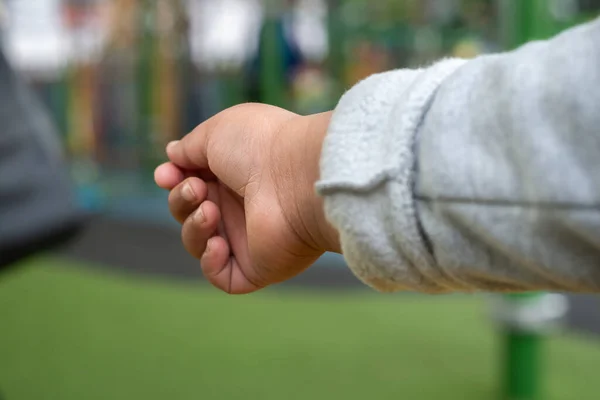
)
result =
(317, 126)
(300, 145)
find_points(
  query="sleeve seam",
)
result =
(542, 205)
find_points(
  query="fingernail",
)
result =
(199, 216)
(188, 193)
(171, 144)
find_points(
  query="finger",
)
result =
(186, 197)
(222, 270)
(199, 227)
(168, 175)
(215, 197)
(191, 151)
(215, 260)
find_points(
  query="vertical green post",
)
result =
(522, 357)
(523, 21)
(145, 71)
(272, 71)
(523, 366)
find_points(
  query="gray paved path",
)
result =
(156, 249)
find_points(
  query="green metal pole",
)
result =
(145, 71)
(523, 366)
(524, 21)
(272, 73)
(522, 363)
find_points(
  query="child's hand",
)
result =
(242, 185)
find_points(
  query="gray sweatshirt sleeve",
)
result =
(479, 175)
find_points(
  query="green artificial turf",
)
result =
(67, 333)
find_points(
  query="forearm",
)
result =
(508, 160)
(480, 176)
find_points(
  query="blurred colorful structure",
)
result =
(132, 81)
(125, 94)
(122, 93)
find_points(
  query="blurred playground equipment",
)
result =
(120, 90)
(128, 76)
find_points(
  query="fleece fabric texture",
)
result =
(480, 175)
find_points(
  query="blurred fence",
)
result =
(128, 76)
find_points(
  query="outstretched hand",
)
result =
(242, 186)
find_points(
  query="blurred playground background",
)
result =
(123, 312)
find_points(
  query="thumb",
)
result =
(191, 152)
(213, 150)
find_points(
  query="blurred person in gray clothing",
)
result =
(37, 204)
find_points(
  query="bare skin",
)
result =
(242, 186)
